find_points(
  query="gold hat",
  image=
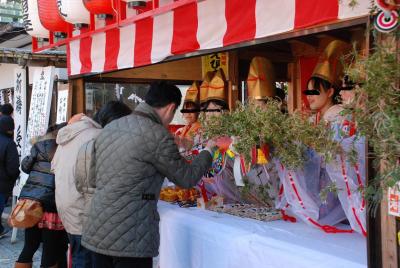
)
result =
(329, 66)
(192, 94)
(191, 97)
(205, 86)
(217, 89)
(261, 79)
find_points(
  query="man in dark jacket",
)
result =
(9, 162)
(133, 155)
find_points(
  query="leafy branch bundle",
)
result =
(378, 116)
(289, 136)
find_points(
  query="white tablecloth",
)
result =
(195, 238)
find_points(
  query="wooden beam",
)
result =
(302, 49)
(307, 40)
(271, 55)
(185, 70)
(102, 79)
(344, 36)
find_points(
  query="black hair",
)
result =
(323, 84)
(161, 94)
(190, 107)
(55, 127)
(6, 125)
(6, 109)
(221, 103)
(280, 94)
(110, 111)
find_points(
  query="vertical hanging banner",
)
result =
(62, 103)
(10, 96)
(39, 111)
(214, 62)
(20, 110)
(20, 121)
(2, 100)
(89, 99)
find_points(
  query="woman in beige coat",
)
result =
(70, 203)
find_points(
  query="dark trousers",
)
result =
(103, 261)
(55, 245)
(81, 257)
(3, 200)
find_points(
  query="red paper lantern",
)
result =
(99, 6)
(49, 16)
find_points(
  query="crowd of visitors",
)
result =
(98, 181)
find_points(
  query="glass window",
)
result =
(98, 94)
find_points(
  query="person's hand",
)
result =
(223, 142)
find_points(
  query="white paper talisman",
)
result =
(39, 112)
(62, 105)
(394, 200)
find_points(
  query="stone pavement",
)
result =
(9, 252)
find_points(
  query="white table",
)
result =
(195, 238)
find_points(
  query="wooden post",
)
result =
(233, 77)
(388, 227)
(388, 223)
(76, 97)
(294, 94)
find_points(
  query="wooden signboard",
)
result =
(214, 62)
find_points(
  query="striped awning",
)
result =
(206, 24)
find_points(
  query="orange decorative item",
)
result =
(50, 18)
(99, 6)
(223, 143)
(172, 194)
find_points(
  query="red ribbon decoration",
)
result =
(325, 228)
(346, 180)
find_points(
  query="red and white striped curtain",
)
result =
(204, 25)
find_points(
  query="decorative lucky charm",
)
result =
(387, 18)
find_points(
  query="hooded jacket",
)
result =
(133, 156)
(9, 158)
(40, 184)
(70, 203)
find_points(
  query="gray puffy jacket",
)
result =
(85, 179)
(133, 155)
